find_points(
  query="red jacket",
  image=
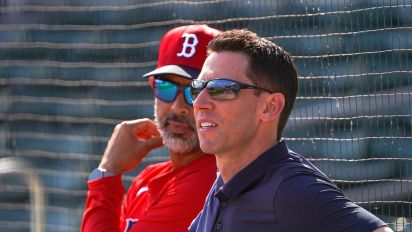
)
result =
(159, 199)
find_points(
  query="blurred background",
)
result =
(71, 70)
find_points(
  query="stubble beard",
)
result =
(177, 143)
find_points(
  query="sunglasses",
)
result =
(167, 91)
(220, 89)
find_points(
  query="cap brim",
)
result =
(182, 71)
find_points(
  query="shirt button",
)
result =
(219, 226)
(223, 204)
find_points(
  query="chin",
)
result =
(207, 148)
(179, 144)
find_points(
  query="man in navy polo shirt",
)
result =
(243, 98)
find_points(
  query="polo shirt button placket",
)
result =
(219, 226)
(223, 204)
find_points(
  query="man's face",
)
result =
(176, 120)
(226, 125)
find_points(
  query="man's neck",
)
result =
(179, 160)
(229, 164)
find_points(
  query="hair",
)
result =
(270, 66)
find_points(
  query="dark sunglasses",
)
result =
(167, 91)
(220, 89)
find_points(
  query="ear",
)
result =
(273, 107)
(151, 81)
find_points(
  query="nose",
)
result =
(202, 102)
(179, 105)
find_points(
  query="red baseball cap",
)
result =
(183, 51)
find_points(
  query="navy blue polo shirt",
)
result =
(281, 191)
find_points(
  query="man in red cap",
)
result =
(165, 196)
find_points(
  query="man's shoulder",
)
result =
(297, 178)
(297, 165)
(205, 160)
(205, 165)
(296, 169)
(157, 167)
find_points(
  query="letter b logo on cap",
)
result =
(189, 45)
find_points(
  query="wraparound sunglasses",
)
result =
(220, 89)
(167, 91)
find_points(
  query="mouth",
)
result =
(177, 127)
(207, 125)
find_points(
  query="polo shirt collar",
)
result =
(253, 171)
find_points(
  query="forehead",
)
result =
(175, 79)
(228, 65)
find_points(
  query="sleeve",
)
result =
(103, 204)
(183, 199)
(307, 203)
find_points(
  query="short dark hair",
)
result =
(270, 66)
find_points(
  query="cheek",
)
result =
(191, 114)
(160, 108)
(233, 120)
(243, 117)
